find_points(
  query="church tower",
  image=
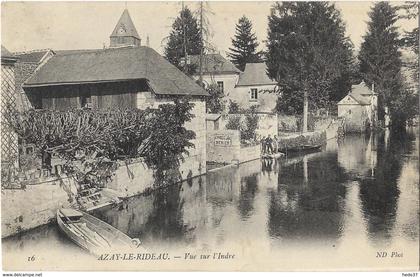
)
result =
(125, 34)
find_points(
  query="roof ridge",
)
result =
(32, 51)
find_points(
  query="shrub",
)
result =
(92, 142)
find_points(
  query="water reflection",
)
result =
(363, 188)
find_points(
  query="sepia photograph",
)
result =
(210, 136)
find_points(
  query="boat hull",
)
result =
(94, 235)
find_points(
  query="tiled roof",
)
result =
(361, 93)
(115, 64)
(127, 24)
(255, 74)
(32, 56)
(214, 64)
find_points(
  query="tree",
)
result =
(185, 38)
(411, 38)
(308, 53)
(214, 103)
(380, 64)
(244, 44)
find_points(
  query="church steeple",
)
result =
(125, 33)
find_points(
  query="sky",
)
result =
(85, 25)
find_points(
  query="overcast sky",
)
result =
(84, 25)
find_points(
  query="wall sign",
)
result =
(222, 140)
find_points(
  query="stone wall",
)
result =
(224, 146)
(34, 206)
(267, 123)
(288, 123)
(356, 117)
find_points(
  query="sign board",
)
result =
(222, 140)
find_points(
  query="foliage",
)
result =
(175, 48)
(244, 45)
(308, 51)
(411, 38)
(380, 63)
(233, 107)
(251, 123)
(214, 103)
(91, 142)
(248, 127)
(234, 123)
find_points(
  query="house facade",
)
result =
(359, 108)
(254, 88)
(217, 70)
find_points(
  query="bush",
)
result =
(233, 107)
(248, 128)
(91, 142)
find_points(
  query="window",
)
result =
(220, 86)
(254, 94)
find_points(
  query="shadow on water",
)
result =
(379, 194)
(308, 203)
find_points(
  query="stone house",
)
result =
(359, 108)
(217, 70)
(255, 88)
(125, 77)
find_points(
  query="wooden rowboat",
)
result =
(92, 234)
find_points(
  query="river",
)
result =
(333, 209)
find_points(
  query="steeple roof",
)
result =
(127, 25)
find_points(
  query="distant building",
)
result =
(9, 143)
(359, 108)
(125, 33)
(254, 87)
(217, 70)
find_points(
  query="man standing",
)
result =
(263, 145)
(269, 144)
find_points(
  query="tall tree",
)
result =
(185, 38)
(244, 44)
(410, 40)
(380, 64)
(308, 54)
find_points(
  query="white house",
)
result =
(254, 87)
(359, 108)
(217, 70)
